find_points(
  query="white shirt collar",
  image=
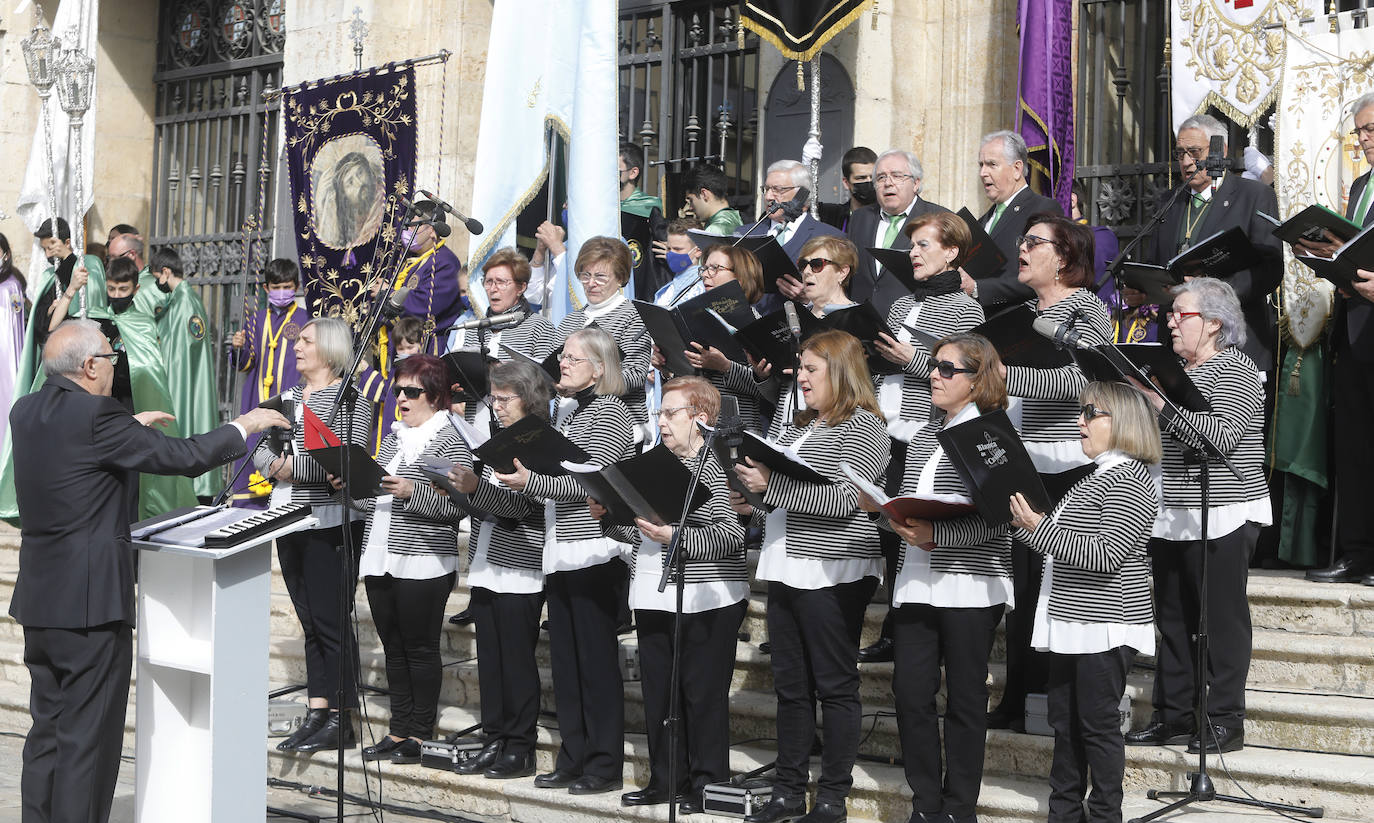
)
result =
(606, 306)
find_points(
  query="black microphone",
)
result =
(794, 208)
(1064, 335)
(473, 226)
(1216, 158)
(395, 303)
(509, 318)
(440, 227)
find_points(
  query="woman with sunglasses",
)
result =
(410, 553)
(1056, 261)
(583, 573)
(506, 577)
(1092, 613)
(952, 584)
(715, 597)
(1208, 328)
(822, 563)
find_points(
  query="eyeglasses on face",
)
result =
(412, 392)
(947, 370)
(598, 278)
(491, 283)
(1030, 241)
(777, 189)
(568, 358)
(1180, 316)
(712, 268)
(1088, 411)
(894, 177)
(1197, 152)
(1367, 130)
(670, 411)
(495, 400)
(815, 264)
(112, 356)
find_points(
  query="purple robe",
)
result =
(253, 361)
(436, 296)
(1136, 325)
(377, 389)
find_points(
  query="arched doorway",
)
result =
(787, 120)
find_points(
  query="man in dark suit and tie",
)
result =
(784, 180)
(77, 455)
(1002, 163)
(1211, 206)
(897, 178)
(1352, 392)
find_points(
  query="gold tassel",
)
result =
(801, 82)
(874, 24)
(1294, 389)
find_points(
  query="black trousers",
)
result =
(315, 574)
(815, 637)
(508, 677)
(78, 691)
(1177, 568)
(925, 638)
(706, 666)
(1353, 391)
(588, 693)
(1084, 698)
(409, 615)
(1027, 669)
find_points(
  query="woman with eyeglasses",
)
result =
(583, 573)
(822, 563)
(312, 566)
(505, 279)
(506, 578)
(952, 584)
(1056, 261)
(1092, 613)
(1208, 328)
(410, 554)
(715, 598)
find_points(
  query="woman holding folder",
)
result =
(583, 574)
(714, 601)
(952, 585)
(1093, 613)
(822, 563)
(506, 576)
(1056, 261)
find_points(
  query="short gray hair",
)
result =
(70, 345)
(1205, 123)
(602, 350)
(1013, 146)
(1365, 101)
(912, 163)
(1216, 300)
(800, 174)
(529, 382)
(334, 339)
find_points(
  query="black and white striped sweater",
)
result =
(534, 336)
(623, 324)
(1049, 407)
(426, 522)
(1098, 545)
(309, 481)
(941, 315)
(520, 547)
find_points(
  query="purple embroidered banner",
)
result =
(350, 148)
(1044, 112)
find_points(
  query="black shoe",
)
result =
(462, 618)
(1160, 734)
(511, 765)
(556, 779)
(327, 738)
(1345, 570)
(591, 784)
(879, 652)
(625, 628)
(1221, 739)
(690, 804)
(825, 813)
(382, 749)
(652, 796)
(930, 817)
(778, 810)
(765, 647)
(483, 760)
(1000, 718)
(406, 753)
(314, 721)
(1368, 580)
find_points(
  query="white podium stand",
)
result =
(202, 683)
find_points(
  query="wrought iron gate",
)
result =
(210, 160)
(689, 93)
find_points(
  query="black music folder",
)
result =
(1219, 255)
(467, 368)
(1011, 331)
(773, 260)
(777, 458)
(1342, 269)
(652, 485)
(990, 458)
(984, 258)
(436, 471)
(1155, 281)
(769, 337)
(1312, 223)
(896, 263)
(364, 475)
(864, 322)
(1148, 362)
(675, 329)
(922, 339)
(539, 447)
(549, 365)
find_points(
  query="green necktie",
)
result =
(781, 233)
(1363, 208)
(894, 225)
(996, 215)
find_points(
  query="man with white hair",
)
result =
(897, 180)
(784, 180)
(1003, 161)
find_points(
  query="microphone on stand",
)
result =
(472, 225)
(1064, 335)
(395, 303)
(1216, 159)
(509, 318)
(789, 308)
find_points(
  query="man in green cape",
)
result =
(186, 355)
(633, 200)
(148, 299)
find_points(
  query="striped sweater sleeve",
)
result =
(1236, 398)
(425, 500)
(864, 442)
(713, 531)
(1102, 523)
(501, 501)
(610, 434)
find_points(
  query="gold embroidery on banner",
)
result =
(1243, 61)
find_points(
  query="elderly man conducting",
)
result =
(77, 454)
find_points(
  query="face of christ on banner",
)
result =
(349, 188)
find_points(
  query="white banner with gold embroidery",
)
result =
(1316, 156)
(1222, 55)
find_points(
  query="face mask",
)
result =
(121, 304)
(398, 358)
(864, 192)
(53, 261)
(281, 297)
(165, 288)
(678, 262)
(408, 238)
(463, 301)
(564, 215)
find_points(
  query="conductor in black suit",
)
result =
(897, 178)
(1002, 163)
(77, 455)
(784, 180)
(1212, 206)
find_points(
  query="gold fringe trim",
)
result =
(788, 51)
